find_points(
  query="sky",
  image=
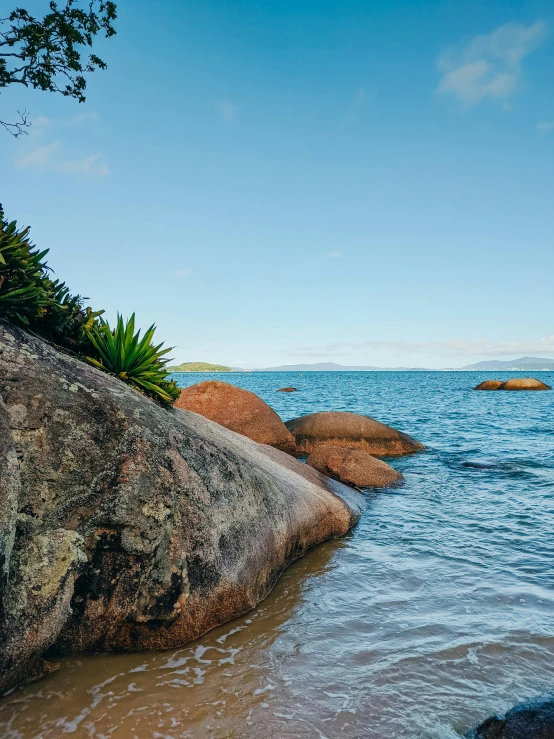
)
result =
(362, 182)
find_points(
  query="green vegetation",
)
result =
(31, 299)
(199, 367)
(134, 360)
(45, 53)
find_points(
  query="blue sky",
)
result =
(270, 183)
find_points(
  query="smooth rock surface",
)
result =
(238, 410)
(490, 385)
(533, 719)
(354, 467)
(339, 428)
(525, 383)
(126, 526)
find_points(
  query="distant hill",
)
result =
(199, 367)
(332, 367)
(523, 363)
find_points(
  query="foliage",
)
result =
(45, 54)
(199, 367)
(134, 360)
(22, 271)
(30, 297)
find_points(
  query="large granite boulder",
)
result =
(525, 383)
(238, 410)
(354, 467)
(126, 526)
(533, 719)
(352, 430)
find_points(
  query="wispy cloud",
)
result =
(489, 66)
(545, 126)
(37, 153)
(446, 348)
(228, 111)
(334, 255)
(51, 158)
(183, 272)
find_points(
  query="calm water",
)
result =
(437, 610)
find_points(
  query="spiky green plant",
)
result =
(22, 271)
(135, 360)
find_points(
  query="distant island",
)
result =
(333, 367)
(199, 367)
(522, 364)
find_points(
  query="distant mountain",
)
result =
(523, 363)
(333, 367)
(199, 367)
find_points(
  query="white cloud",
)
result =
(183, 272)
(51, 158)
(446, 348)
(334, 255)
(37, 154)
(489, 65)
(228, 111)
(545, 126)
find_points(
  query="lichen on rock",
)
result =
(124, 525)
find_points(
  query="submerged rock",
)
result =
(238, 410)
(352, 430)
(525, 383)
(533, 719)
(489, 385)
(516, 383)
(354, 467)
(126, 526)
(288, 390)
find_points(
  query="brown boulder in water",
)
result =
(340, 428)
(238, 410)
(490, 385)
(525, 383)
(354, 467)
(288, 390)
(127, 526)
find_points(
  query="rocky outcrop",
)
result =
(352, 430)
(288, 390)
(516, 383)
(489, 385)
(533, 719)
(127, 526)
(238, 410)
(354, 467)
(525, 383)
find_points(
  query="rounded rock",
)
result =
(490, 385)
(340, 428)
(354, 467)
(238, 410)
(525, 383)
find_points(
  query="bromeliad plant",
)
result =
(136, 361)
(30, 297)
(22, 272)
